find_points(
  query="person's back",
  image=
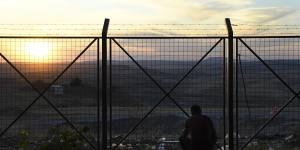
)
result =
(200, 131)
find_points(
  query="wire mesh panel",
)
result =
(48, 92)
(154, 81)
(268, 70)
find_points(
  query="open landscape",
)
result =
(134, 94)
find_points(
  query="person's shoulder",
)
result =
(205, 117)
(191, 119)
(188, 120)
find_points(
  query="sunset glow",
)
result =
(37, 51)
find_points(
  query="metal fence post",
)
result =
(98, 94)
(224, 91)
(230, 84)
(237, 94)
(104, 84)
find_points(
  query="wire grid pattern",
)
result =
(264, 92)
(41, 61)
(167, 61)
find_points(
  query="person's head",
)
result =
(196, 110)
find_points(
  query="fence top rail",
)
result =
(167, 37)
(204, 37)
(271, 36)
(119, 37)
(51, 37)
(152, 37)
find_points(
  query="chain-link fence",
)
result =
(59, 88)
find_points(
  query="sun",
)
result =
(37, 51)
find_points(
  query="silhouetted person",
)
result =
(199, 132)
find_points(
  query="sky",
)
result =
(149, 11)
(144, 12)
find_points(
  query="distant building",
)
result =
(57, 89)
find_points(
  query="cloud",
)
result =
(235, 2)
(262, 15)
(142, 11)
(213, 11)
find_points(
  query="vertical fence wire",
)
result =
(236, 95)
(224, 91)
(98, 94)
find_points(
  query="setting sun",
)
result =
(37, 51)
